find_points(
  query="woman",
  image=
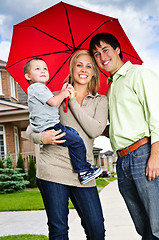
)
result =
(56, 180)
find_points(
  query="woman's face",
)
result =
(83, 70)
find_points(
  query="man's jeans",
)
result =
(85, 200)
(141, 196)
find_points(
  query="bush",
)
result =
(20, 165)
(11, 180)
(32, 173)
(1, 164)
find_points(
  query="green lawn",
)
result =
(24, 237)
(28, 200)
(31, 199)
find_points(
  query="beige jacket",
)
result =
(89, 120)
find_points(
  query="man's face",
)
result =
(107, 58)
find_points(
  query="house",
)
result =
(96, 154)
(108, 161)
(14, 117)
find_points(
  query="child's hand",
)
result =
(71, 90)
(64, 86)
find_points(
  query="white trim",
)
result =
(16, 142)
(17, 105)
(12, 87)
(4, 139)
(1, 90)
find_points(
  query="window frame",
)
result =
(1, 90)
(4, 140)
(12, 87)
(16, 142)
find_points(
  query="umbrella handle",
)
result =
(66, 107)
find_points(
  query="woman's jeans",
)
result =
(141, 196)
(85, 200)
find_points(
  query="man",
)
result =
(134, 132)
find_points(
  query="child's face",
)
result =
(38, 72)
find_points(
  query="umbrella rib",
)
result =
(69, 25)
(132, 56)
(58, 70)
(103, 73)
(40, 55)
(67, 45)
(115, 19)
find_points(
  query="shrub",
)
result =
(20, 165)
(11, 180)
(1, 164)
(31, 173)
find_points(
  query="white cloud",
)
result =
(141, 28)
(4, 50)
(102, 142)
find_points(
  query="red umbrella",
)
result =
(55, 34)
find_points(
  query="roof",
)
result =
(14, 112)
(109, 153)
(2, 63)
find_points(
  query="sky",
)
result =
(139, 19)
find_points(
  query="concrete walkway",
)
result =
(117, 220)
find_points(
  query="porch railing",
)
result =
(25, 156)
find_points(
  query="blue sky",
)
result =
(139, 19)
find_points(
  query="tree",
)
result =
(1, 164)
(20, 165)
(11, 180)
(32, 173)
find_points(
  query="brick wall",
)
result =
(10, 142)
(6, 87)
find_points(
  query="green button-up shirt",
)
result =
(133, 105)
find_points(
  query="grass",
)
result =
(28, 200)
(24, 237)
(31, 199)
(102, 182)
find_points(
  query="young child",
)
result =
(44, 115)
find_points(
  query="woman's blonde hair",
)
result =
(93, 85)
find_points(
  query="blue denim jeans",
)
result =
(85, 200)
(76, 147)
(141, 196)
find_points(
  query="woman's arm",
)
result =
(93, 126)
(48, 137)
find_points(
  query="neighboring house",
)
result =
(96, 154)
(108, 161)
(14, 116)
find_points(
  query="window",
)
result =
(12, 84)
(2, 140)
(16, 140)
(1, 84)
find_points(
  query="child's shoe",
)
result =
(85, 177)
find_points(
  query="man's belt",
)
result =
(133, 147)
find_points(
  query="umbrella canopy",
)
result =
(54, 35)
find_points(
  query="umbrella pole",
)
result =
(66, 107)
